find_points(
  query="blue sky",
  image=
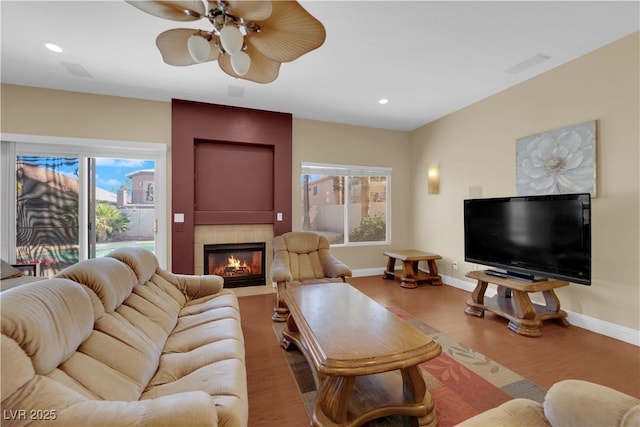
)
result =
(111, 173)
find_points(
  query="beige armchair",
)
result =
(301, 258)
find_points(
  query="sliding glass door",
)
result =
(117, 196)
(61, 204)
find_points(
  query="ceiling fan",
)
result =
(250, 39)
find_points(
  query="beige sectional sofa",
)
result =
(118, 341)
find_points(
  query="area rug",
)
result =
(462, 382)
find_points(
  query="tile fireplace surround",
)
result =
(217, 234)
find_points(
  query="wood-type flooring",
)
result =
(560, 353)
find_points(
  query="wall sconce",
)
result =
(433, 178)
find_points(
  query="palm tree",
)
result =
(110, 220)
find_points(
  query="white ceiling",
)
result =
(429, 58)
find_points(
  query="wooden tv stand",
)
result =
(513, 303)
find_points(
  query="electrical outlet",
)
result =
(455, 265)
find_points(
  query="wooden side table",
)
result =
(512, 302)
(411, 276)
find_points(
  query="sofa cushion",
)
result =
(174, 366)
(135, 334)
(225, 381)
(186, 339)
(163, 286)
(16, 367)
(110, 279)
(140, 260)
(48, 319)
(224, 298)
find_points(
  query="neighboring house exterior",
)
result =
(327, 191)
(142, 189)
(142, 186)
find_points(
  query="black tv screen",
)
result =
(531, 237)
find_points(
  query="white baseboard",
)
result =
(592, 324)
(368, 272)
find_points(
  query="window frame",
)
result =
(349, 171)
(14, 145)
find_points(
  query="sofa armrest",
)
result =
(582, 403)
(194, 286)
(194, 408)
(333, 267)
(279, 270)
(200, 286)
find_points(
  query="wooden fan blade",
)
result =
(251, 10)
(262, 70)
(288, 33)
(173, 47)
(173, 10)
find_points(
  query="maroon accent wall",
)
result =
(207, 142)
(247, 177)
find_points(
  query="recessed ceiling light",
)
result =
(383, 101)
(53, 47)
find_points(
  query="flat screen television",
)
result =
(531, 237)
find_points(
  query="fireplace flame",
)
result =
(235, 267)
(236, 264)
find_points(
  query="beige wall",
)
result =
(475, 147)
(34, 111)
(322, 142)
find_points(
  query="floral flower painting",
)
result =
(557, 162)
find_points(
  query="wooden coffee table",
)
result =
(364, 358)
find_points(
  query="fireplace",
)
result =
(240, 264)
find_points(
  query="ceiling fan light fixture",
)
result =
(240, 62)
(199, 48)
(231, 39)
(273, 32)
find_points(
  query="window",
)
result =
(348, 204)
(65, 200)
